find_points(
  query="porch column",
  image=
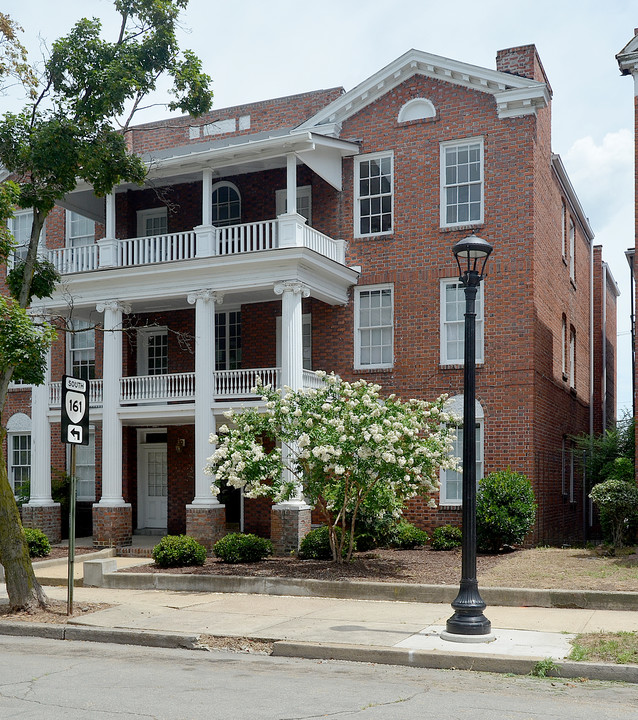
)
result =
(107, 247)
(205, 516)
(112, 517)
(41, 512)
(291, 184)
(290, 521)
(205, 233)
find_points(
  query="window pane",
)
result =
(375, 195)
(462, 183)
(374, 330)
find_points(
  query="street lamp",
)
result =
(468, 621)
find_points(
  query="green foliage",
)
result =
(374, 531)
(545, 667)
(601, 452)
(446, 537)
(617, 503)
(23, 344)
(242, 548)
(179, 551)
(316, 544)
(505, 510)
(349, 449)
(45, 278)
(39, 545)
(9, 194)
(407, 537)
(619, 647)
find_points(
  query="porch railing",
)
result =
(248, 237)
(156, 249)
(157, 388)
(82, 258)
(95, 393)
(323, 244)
(240, 383)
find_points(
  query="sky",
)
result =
(255, 50)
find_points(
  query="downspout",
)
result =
(604, 347)
(591, 382)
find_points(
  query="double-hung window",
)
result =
(80, 230)
(374, 326)
(82, 350)
(226, 204)
(461, 183)
(373, 183)
(20, 225)
(85, 469)
(228, 340)
(152, 222)
(452, 480)
(20, 463)
(453, 323)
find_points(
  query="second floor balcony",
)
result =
(203, 241)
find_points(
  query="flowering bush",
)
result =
(345, 446)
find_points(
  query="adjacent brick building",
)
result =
(316, 232)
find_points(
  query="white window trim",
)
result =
(303, 191)
(68, 238)
(563, 224)
(443, 205)
(417, 109)
(572, 249)
(143, 335)
(226, 315)
(217, 186)
(70, 350)
(18, 424)
(454, 405)
(479, 326)
(564, 345)
(357, 208)
(144, 215)
(10, 225)
(572, 357)
(357, 337)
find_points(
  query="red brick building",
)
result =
(315, 232)
(628, 62)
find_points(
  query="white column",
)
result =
(111, 423)
(41, 442)
(207, 196)
(291, 184)
(206, 236)
(204, 301)
(107, 247)
(292, 293)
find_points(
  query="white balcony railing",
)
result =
(82, 258)
(157, 389)
(249, 237)
(175, 387)
(240, 383)
(156, 249)
(231, 240)
(95, 393)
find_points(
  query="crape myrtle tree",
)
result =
(73, 128)
(348, 450)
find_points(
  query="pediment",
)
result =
(514, 95)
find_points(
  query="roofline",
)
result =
(568, 189)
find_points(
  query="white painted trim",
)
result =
(357, 338)
(443, 206)
(142, 475)
(480, 324)
(303, 191)
(417, 109)
(356, 198)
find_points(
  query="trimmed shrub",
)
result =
(446, 537)
(407, 537)
(179, 551)
(39, 545)
(373, 531)
(316, 544)
(242, 548)
(505, 510)
(617, 503)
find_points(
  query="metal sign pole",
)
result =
(71, 563)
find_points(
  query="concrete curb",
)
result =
(359, 590)
(504, 664)
(56, 562)
(120, 636)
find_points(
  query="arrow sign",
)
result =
(75, 411)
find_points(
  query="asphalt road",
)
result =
(57, 680)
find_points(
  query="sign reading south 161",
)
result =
(75, 410)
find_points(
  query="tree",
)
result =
(347, 447)
(74, 128)
(14, 66)
(602, 452)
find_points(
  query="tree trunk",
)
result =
(23, 589)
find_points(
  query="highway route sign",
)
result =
(75, 410)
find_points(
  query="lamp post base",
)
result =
(468, 618)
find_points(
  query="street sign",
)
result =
(75, 411)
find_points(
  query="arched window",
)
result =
(226, 204)
(417, 109)
(452, 480)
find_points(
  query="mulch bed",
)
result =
(414, 566)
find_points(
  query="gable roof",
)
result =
(514, 95)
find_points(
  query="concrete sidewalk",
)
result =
(378, 631)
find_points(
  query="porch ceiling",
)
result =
(235, 156)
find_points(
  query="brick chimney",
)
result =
(522, 61)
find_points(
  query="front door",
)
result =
(152, 480)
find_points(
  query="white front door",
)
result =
(152, 485)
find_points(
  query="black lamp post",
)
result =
(471, 255)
